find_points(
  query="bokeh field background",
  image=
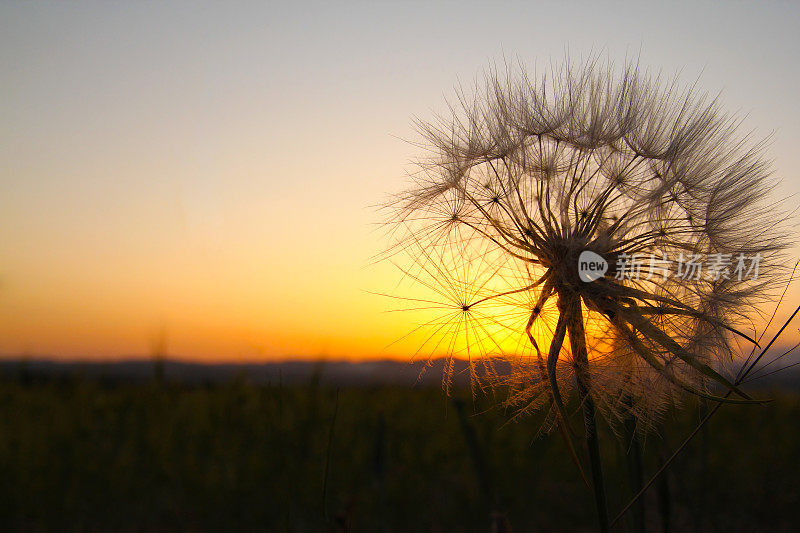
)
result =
(93, 454)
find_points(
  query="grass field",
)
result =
(86, 455)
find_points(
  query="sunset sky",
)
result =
(207, 173)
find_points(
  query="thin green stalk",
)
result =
(577, 339)
(480, 460)
(700, 498)
(633, 457)
(328, 459)
(476, 452)
(664, 499)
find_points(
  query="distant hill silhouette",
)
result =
(345, 373)
(330, 372)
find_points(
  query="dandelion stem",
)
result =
(571, 309)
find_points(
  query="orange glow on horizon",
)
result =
(215, 189)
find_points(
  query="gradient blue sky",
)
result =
(204, 171)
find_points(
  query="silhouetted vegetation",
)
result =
(83, 455)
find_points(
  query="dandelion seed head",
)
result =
(528, 173)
